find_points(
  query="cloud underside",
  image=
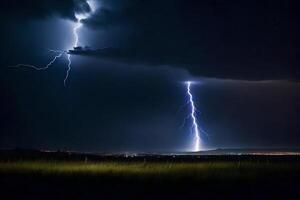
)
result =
(200, 66)
(249, 40)
(252, 40)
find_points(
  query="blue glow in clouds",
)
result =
(195, 128)
(78, 25)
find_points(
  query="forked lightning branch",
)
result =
(60, 53)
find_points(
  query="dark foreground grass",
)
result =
(242, 170)
(149, 180)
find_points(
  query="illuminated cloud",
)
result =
(40, 9)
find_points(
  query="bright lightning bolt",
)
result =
(77, 26)
(195, 127)
(68, 70)
(75, 29)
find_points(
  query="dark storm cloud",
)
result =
(43, 8)
(253, 40)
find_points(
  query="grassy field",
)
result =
(153, 180)
(243, 170)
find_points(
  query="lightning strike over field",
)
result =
(79, 17)
(195, 127)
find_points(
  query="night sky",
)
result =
(130, 96)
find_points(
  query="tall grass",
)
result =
(202, 170)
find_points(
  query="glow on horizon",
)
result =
(196, 133)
